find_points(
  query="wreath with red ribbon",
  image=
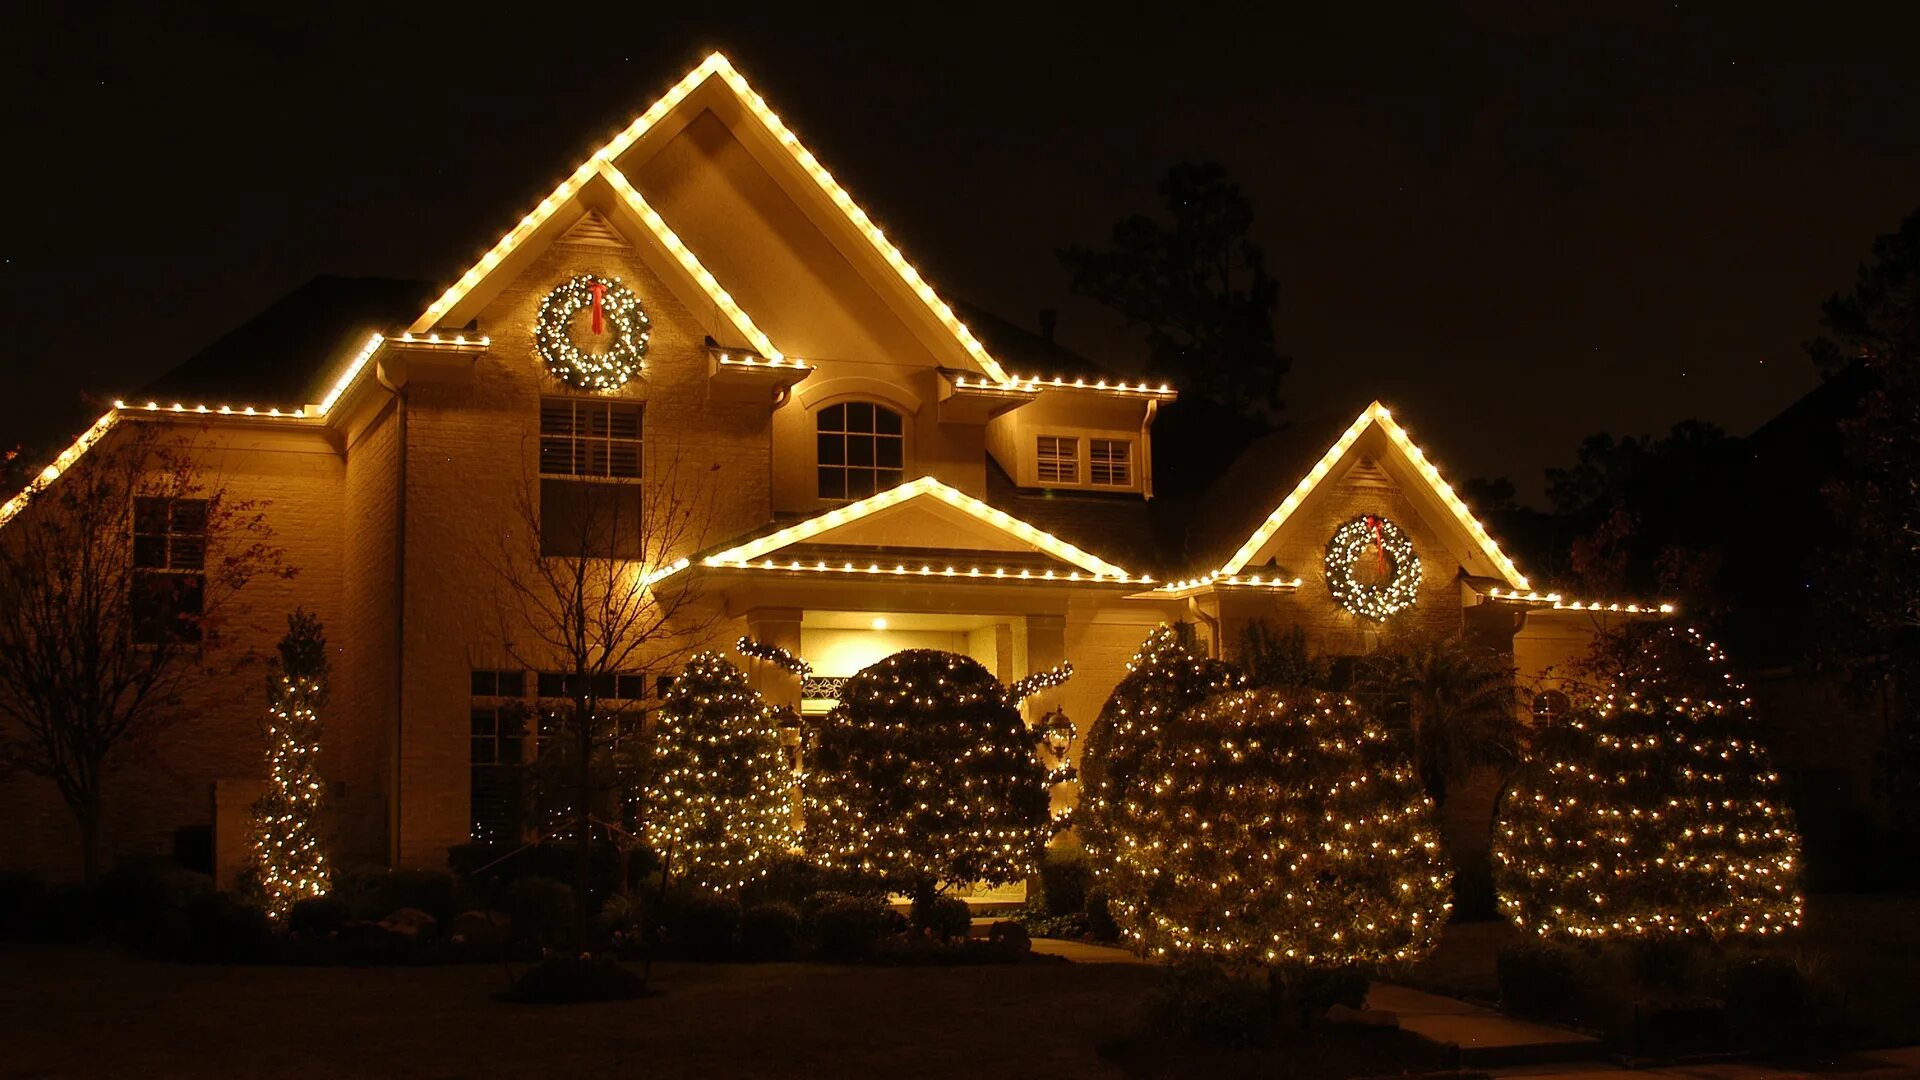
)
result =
(618, 330)
(1373, 548)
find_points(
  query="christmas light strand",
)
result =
(1025, 688)
(773, 654)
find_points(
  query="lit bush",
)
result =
(1284, 830)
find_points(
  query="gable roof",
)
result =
(941, 511)
(278, 356)
(717, 72)
(1374, 417)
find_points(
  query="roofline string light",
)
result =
(601, 164)
(1097, 569)
(1375, 413)
(1559, 603)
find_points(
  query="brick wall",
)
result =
(166, 783)
(471, 447)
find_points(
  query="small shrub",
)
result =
(1199, 1000)
(705, 927)
(1321, 988)
(789, 879)
(1010, 940)
(1038, 923)
(143, 902)
(848, 926)
(20, 898)
(1100, 924)
(1770, 999)
(542, 912)
(945, 917)
(67, 913)
(1537, 979)
(375, 893)
(318, 916)
(224, 929)
(769, 931)
(487, 870)
(568, 979)
(1065, 876)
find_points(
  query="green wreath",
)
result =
(1397, 574)
(616, 313)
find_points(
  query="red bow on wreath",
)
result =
(598, 290)
(1379, 542)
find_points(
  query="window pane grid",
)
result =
(860, 450)
(169, 555)
(1057, 459)
(585, 437)
(1110, 462)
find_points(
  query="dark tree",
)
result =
(1869, 574)
(117, 579)
(1198, 286)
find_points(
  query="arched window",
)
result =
(1550, 705)
(861, 449)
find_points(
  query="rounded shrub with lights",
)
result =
(718, 799)
(1649, 812)
(1283, 829)
(1163, 680)
(925, 773)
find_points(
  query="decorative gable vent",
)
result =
(1367, 475)
(594, 230)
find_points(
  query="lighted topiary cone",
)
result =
(1649, 813)
(1282, 829)
(1163, 680)
(289, 862)
(925, 773)
(718, 800)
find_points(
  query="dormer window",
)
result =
(1110, 462)
(1057, 459)
(861, 449)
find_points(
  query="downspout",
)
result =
(1214, 645)
(399, 609)
(1146, 448)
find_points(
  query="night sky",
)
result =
(1516, 223)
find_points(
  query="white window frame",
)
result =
(581, 436)
(1126, 483)
(1045, 458)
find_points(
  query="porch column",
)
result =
(779, 627)
(1047, 648)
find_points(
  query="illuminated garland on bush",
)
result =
(287, 860)
(623, 317)
(773, 654)
(718, 800)
(1398, 563)
(1163, 679)
(1282, 829)
(1022, 689)
(923, 773)
(1649, 812)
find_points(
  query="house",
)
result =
(700, 305)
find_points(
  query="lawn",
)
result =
(90, 1011)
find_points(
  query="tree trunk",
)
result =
(87, 812)
(583, 812)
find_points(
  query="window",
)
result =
(169, 570)
(1057, 459)
(590, 437)
(496, 755)
(861, 449)
(1110, 462)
